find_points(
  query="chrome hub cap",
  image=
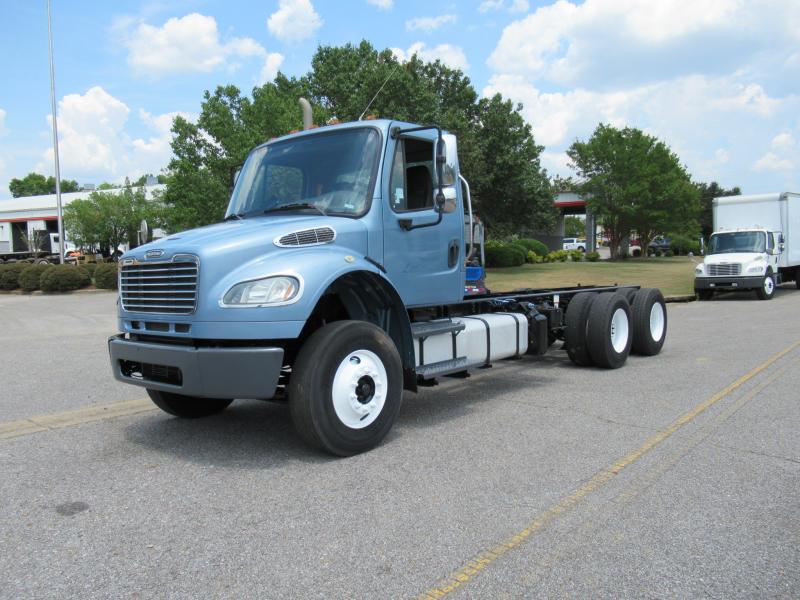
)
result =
(656, 321)
(619, 330)
(769, 285)
(359, 389)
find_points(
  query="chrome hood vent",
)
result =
(306, 237)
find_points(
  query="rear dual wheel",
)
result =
(603, 329)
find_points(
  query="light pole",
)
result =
(61, 241)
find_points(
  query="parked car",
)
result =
(660, 243)
(574, 244)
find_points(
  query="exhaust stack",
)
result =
(305, 105)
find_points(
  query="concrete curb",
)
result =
(684, 298)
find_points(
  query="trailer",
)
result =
(755, 245)
(347, 269)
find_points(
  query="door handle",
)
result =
(452, 253)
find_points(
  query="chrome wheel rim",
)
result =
(359, 389)
(656, 321)
(619, 330)
(769, 285)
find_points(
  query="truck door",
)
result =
(426, 264)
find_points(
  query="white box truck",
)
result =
(755, 245)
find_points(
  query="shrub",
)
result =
(105, 276)
(637, 252)
(90, 268)
(669, 253)
(683, 244)
(63, 278)
(558, 256)
(9, 274)
(30, 277)
(576, 255)
(86, 279)
(534, 246)
(592, 256)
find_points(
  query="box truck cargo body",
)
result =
(755, 245)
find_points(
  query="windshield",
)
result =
(737, 241)
(331, 173)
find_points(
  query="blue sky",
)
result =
(715, 79)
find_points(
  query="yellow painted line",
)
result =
(482, 561)
(69, 418)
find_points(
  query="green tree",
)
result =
(109, 219)
(35, 184)
(574, 226)
(497, 151)
(634, 181)
(709, 191)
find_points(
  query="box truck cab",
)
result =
(752, 247)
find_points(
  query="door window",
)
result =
(411, 183)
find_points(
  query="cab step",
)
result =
(454, 365)
(425, 329)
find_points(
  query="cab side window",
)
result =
(411, 183)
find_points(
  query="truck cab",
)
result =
(335, 281)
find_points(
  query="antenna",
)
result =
(379, 91)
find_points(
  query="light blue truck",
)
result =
(336, 281)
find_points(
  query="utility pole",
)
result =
(61, 241)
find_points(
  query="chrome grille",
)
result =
(724, 270)
(307, 237)
(160, 287)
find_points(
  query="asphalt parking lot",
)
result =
(675, 476)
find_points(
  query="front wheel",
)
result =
(649, 322)
(704, 294)
(346, 387)
(187, 407)
(767, 289)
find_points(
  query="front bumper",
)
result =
(245, 372)
(728, 283)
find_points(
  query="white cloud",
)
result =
(600, 43)
(452, 56)
(382, 4)
(429, 24)
(772, 162)
(517, 6)
(94, 142)
(272, 64)
(294, 21)
(184, 45)
(783, 141)
(3, 129)
(490, 5)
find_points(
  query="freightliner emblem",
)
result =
(154, 254)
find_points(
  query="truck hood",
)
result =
(741, 258)
(249, 237)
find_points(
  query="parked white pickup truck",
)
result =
(574, 244)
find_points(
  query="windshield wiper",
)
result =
(296, 206)
(237, 216)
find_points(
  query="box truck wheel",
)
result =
(346, 387)
(649, 322)
(704, 294)
(187, 406)
(575, 332)
(767, 289)
(609, 332)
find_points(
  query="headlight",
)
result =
(758, 269)
(270, 290)
(698, 270)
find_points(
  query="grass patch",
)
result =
(673, 276)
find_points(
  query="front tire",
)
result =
(767, 289)
(187, 407)
(704, 294)
(346, 387)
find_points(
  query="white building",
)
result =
(21, 216)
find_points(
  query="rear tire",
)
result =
(187, 407)
(649, 322)
(609, 334)
(767, 289)
(346, 387)
(575, 341)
